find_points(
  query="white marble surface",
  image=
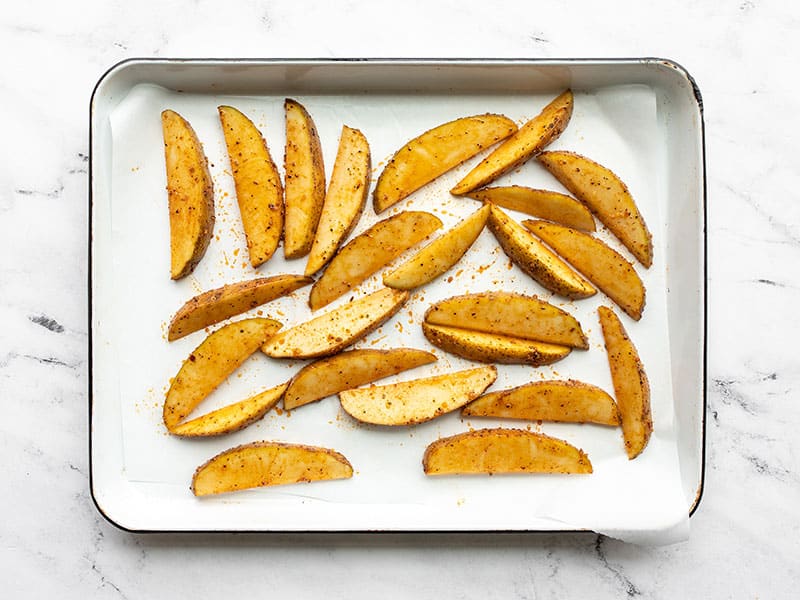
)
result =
(744, 538)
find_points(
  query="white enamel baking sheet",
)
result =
(639, 118)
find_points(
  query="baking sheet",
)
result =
(616, 125)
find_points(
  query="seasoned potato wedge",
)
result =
(594, 259)
(190, 193)
(440, 255)
(566, 401)
(509, 313)
(335, 330)
(490, 451)
(268, 463)
(493, 348)
(344, 202)
(435, 152)
(220, 354)
(232, 417)
(367, 253)
(229, 300)
(259, 192)
(535, 259)
(544, 204)
(416, 401)
(531, 139)
(305, 180)
(630, 383)
(348, 370)
(606, 196)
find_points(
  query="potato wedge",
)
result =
(493, 348)
(440, 255)
(630, 383)
(563, 401)
(229, 300)
(509, 313)
(435, 152)
(531, 139)
(268, 463)
(344, 202)
(190, 192)
(335, 330)
(233, 417)
(416, 401)
(305, 180)
(348, 370)
(594, 259)
(220, 354)
(367, 253)
(535, 259)
(606, 196)
(490, 451)
(259, 192)
(544, 204)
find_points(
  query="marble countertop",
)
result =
(744, 537)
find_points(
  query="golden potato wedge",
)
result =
(490, 451)
(348, 370)
(630, 383)
(229, 300)
(233, 417)
(440, 255)
(435, 152)
(305, 180)
(493, 348)
(344, 202)
(268, 463)
(220, 354)
(535, 259)
(335, 330)
(259, 192)
(531, 139)
(606, 196)
(509, 313)
(367, 253)
(544, 204)
(416, 401)
(190, 193)
(564, 401)
(594, 259)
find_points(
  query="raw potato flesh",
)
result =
(606, 196)
(367, 253)
(335, 330)
(259, 192)
(344, 202)
(416, 401)
(563, 401)
(435, 152)
(190, 193)
(232, 417)
(220, 354)
(268, 463)
(493, 348)
(229, 300)
(490, 451)
(348, 370)
(594, 259)
(544, 204)
(630, 383)
(509, 313)
(535, 259)
(440, 255)
(531, 139)
(305, 180)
